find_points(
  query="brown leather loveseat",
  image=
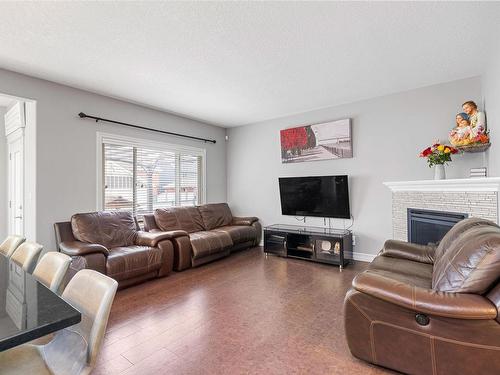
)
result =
(111, 243)
(431, 309)
(213, 232)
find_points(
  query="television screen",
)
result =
(323, 196)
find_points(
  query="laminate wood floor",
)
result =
(246, 314)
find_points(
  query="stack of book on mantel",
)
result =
(478, 172)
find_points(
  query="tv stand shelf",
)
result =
(323, 245)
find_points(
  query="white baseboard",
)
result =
(362, 257)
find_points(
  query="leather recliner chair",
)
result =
(113, 244)
(430, 309)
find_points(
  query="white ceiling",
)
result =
(235, 63)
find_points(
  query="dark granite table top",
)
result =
(29, 310)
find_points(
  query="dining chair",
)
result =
(74, 350)
(10, 244)
(26, 255)
(51, 269)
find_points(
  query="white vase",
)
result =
(439, 172)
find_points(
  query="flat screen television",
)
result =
(322, 196)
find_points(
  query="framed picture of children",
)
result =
(470, 133)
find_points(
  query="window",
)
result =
(142, 176)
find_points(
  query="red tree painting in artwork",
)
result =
(293, 138)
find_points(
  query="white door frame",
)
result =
(15, 182)
(29, 159)
(30, 171)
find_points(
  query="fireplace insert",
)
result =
(429, 227)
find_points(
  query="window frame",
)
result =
(103, 138)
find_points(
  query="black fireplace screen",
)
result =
(426, 226)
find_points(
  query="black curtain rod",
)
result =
(97, 119)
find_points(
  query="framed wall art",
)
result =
(324, 141)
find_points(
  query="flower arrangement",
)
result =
(469, 139)
(438, 154)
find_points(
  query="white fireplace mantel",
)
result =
(485, 184)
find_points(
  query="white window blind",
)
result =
(141, 179)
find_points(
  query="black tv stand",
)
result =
(323, 245)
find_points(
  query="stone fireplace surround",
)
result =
(477, 197)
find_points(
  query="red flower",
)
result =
(483, 138)
(426, 152)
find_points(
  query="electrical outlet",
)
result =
(353, 240)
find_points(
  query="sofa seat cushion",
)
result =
(131, 261)
(179, 218)
(239, 233)
(402, 270)
(110, 229)
(215, 215)
(209, 242)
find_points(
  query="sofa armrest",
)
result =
(494, 297)
(78, 248)
(152, 238)
(409, 251)
(427, 301)
(177, 233)
(247, 220)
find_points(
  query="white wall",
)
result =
(66, 145)
(491, 94)
(3, 173)
(388, 133)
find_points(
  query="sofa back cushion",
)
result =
(110, 229)
(215, 215)
(472, 262)
(455, 232)
(179, 218)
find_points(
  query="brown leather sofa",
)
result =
(113, 244)
(213, 232)
(430, 309)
